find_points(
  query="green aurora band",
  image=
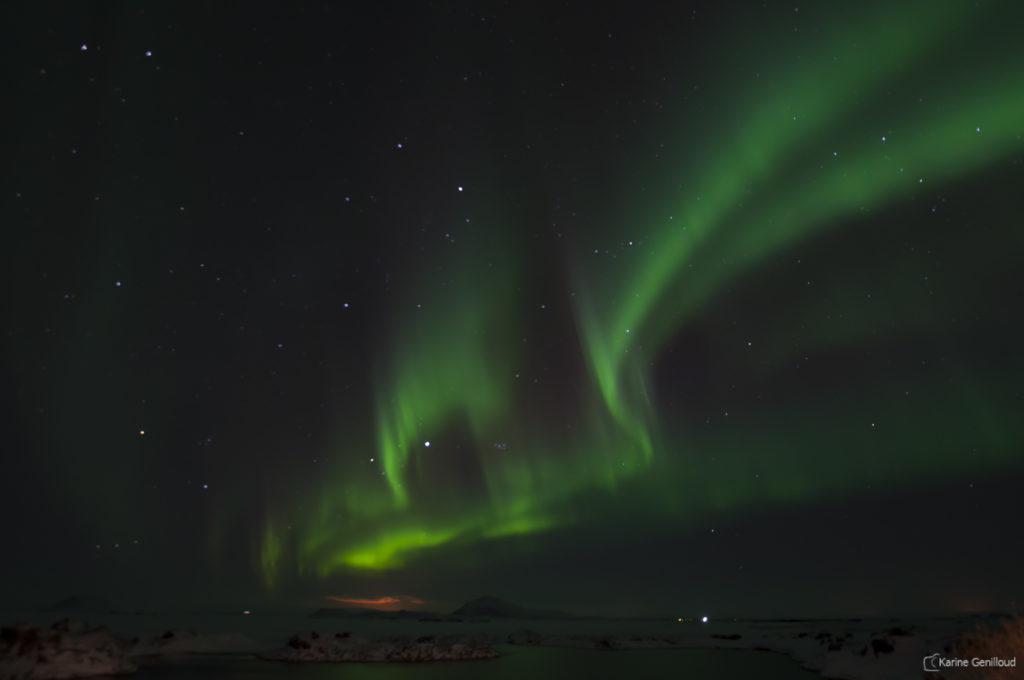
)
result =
(873, 110)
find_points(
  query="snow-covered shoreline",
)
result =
(849, 649)
(852, 650)
(63, 650)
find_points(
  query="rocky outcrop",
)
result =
(65, 650)
(176, 642)
(348, 647)
(526, 638)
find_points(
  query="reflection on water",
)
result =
(532, 663)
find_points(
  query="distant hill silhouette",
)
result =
(79, 604)
(497, 608)
(351, 613)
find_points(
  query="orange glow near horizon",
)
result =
(386, 602)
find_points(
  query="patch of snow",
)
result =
(64, 650)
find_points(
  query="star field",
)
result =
(636, 306)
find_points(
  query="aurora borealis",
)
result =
(644, 307)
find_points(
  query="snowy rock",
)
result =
(848, 650)
(348, 647)
(859, 652)
(65, 650)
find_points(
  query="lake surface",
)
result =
(532, 663)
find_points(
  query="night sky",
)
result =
(620, 308)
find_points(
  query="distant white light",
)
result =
(977, 129)
(883, 138)
(460, 188)
(117, 283)
(149, 53)
(627, 330)
(426, 444)
(84, 47)
(399, 145)
(345, 305)
(206, 486)
(703, 619)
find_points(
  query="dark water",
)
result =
(530, 663)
